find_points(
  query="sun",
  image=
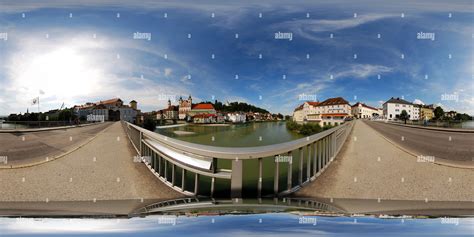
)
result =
(63, 72)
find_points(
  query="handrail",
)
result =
(238, 152)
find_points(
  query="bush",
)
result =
(149, 124)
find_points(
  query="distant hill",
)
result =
(236, 107)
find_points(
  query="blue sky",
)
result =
(237, 225)
(73, 66)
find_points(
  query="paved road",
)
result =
(102, 170)
(453, 146)
(370, 167)
(29, 147)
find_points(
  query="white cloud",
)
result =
(168, 72)
(418, 102)
(361, 71)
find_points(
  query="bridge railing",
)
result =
(272, 170)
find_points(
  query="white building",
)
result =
(361, 110)
(332, 111)
(416, 112)
(394, 107)
(237, 117)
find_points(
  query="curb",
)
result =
(430, 128)
(56, 157)
(438, 161)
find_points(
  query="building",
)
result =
(394, 107)
(332, 111)
(201, 109)
(416, 111)
(236, 117)
(361, 110)
(426, 112)
(204, 118)
(111, 110)
(450, 114)
(184, 107)
(171, 112)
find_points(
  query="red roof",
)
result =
(313, 103)
(334, 101)
(203, 106)
(115, 100)
(364, 105)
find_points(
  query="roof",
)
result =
(299, 107)
(171, 108)
(313, 103)
(397, 101)
(364, 105)
(203, 106)
(334, 101)
(115, 100)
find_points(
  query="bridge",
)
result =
(352, 160)
(195, 169)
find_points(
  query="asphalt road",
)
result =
(451, 146)
(27, 147)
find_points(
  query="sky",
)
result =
(74, 52)
(238, 225)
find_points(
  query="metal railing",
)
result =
(189, 204)
(193, 169)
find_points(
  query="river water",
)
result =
(235, 135)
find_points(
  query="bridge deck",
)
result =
(77, 177)
(357, 172)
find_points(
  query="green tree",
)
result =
(438, 113)
(149, 124)
(404, 116)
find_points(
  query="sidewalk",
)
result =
(369, 167)
(101, 170)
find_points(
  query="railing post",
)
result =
(300, 173)
(315, 158)
(276, 177)
(166, 170)
(260, 170)
(290, 172)
(196, 183)
(183, 179)
(172, 173)
(319, 156)
(236, 179)
(308, 165)
(213, 181)
(140, 143)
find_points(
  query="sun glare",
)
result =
(63, 73)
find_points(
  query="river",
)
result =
(234, 135)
